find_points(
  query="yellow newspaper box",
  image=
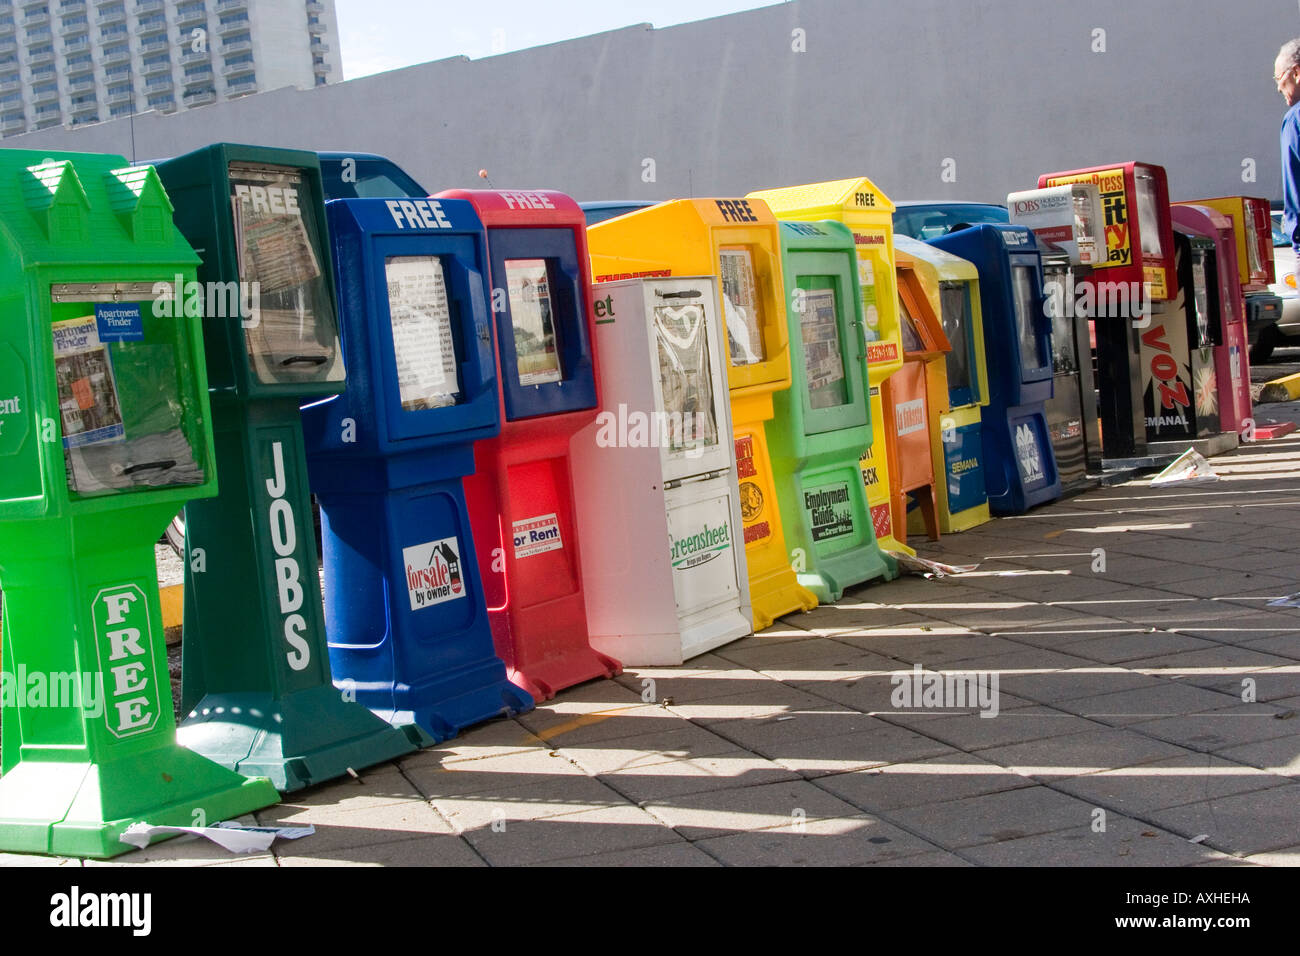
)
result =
(738, 241)
(956, 445)
(870, 215)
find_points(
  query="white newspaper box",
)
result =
(1068, 216)
(656, 494)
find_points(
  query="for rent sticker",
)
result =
(537, 536)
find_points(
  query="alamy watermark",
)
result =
(53, 689)
(1099, 300)
(689, 433)
(212, 300)
(922, 689)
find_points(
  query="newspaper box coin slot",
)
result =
(404, 604)
(255, 669)
(105, 433)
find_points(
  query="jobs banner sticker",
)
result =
(433, 573)
(537, 536)
(1114, 203)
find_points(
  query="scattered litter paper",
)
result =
(914, 564)
(1191, 465)
(228, 836)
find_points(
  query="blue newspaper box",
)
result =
(404, 602)
(1021, 467)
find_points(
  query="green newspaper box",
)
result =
(104, 435)
(256, 681)
(822, 425)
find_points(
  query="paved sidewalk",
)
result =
(1146, 715)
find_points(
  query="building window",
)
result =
(123, 110)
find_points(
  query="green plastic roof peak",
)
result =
(136, 195)
(85, 208)
(49, 182)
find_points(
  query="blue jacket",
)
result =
(1291, 171)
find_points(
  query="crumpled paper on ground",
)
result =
(229, 836)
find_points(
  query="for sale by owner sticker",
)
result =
(433, 573)
(537, 536)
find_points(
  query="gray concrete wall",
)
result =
(1006, 89)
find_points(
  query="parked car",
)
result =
(1286, 331)
(926, 220)
(366, 176)
(600, 210)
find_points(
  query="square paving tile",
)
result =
(1220, 729)
(948, 777)
(791, 805)
(1119, 648)
(1174, 781)
(675, 778)
(1244, 824)
(1088, 752)
(1125, 842)
(588, 834)
(993, 817)
(849, 841)
(1164, 699)
(973, 733)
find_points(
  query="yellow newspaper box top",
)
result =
(736, 240)
(869, 214)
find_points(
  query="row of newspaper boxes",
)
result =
(540, 450)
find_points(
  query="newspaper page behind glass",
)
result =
(423, 345)
(819, 325)
(740, 301)
(121, 412)
(685, 378)
(528, 286)
(283, 302)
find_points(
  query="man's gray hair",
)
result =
(1290, 52)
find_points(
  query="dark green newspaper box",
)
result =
(104, 435)
(256, 681)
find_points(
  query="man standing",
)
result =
(1286, 73)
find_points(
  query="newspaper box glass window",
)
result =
(288, 317)
(685, 376)
(822, 355)
(424, 349)
(744, 320)
(531, 314)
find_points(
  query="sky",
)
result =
(379, 35)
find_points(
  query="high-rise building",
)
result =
(71, 62)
